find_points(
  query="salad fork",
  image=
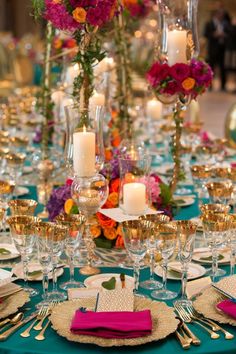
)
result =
(39, 317)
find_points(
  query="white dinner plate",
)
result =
(201, 254)
(194, 271)
(183, 201)
(19, 191)
(33, 267)
(8, 251)
(95, 281)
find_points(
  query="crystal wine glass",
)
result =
(23, 231)
(22, 206)
(75, 225)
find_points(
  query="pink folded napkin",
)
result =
(112, 324)
(228, 307)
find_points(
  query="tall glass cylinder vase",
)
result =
(84, 149)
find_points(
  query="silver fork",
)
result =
(185, 316)
(215, 327)
(41, 336)
(40, 315)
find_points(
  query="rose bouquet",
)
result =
(180, 79)
(105, 231)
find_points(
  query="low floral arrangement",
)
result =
(105, 231)
(182, 79)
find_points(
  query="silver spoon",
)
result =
(14, 320)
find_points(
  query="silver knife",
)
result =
(8, 332)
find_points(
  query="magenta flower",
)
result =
(180, 71)
(157, 73)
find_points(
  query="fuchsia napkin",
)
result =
(228, 307)
(112, 324)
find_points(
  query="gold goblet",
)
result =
(75, 224)
(200, 175)
(214, 209)
(15, 163)
(44, 191)
(22, 206)
(220, 192)
(23, 231)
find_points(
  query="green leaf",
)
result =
(109, 284)
(4, 252)
(166, 194)
(74, 210)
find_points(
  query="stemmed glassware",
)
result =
(186, 231)
(44, 244)
(166, 237)
(151, 283)
(216, 228)
(220, 192)
(22, 206)
(201, 175)
(15, 163)
(23, 231)
(75, 225)
(136, 234)
(6, 191)
(57, 246)
(89, 194)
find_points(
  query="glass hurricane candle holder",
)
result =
(89, 194)
(84, 149)
(134, 194)
(75, 225)
(23, 232)
(22, 206)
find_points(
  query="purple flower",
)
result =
(57, 200)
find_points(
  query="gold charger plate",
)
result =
(206, 305)
(11, 303)
(163, 319)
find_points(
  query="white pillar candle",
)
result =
(134, 198)
(98, 99)
(84, 153)
(176, 47)
(154, 109)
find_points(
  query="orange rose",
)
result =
(108, 154)
(57, 43)
(79, 15)
(116, 141)
(105, 222)
(71, 43)
(188, 84)
(107, 205)
(56, 1)
(114, 185)
(119, 242)
(110, 233)
(113, 198)
(95, 231)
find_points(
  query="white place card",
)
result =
(195, 287)
(118, 215)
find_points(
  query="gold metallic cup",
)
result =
(221, 172)
(216, 222)
(220, 189)
(201, 171)
(74, 222)
(155, 218)
(22, 206)
(15, 159)
(214, 209)
(2, 214)
(18, 141)
(23, 224)
(60, 233)
(6, 187)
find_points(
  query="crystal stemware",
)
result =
(232, 243)
(186, 231)
(44, 245)
(136, 234)
(44, 190)
(216, 228)
(57, 246)
(23, 232)
(90, 194)
(22, 206)
(151, 283)
(166, 236)
(15, 163)
(75, 224)
(220, 192)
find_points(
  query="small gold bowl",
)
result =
(22, 206)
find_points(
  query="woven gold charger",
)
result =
(163, 319)
(11, 303)
(206, 305)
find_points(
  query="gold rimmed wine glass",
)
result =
(166, 237)
(152, 284)
(6, 192)
(75, 224)
(136, 234)
(15, 163)
(200, 175)
(44, 190)
(22, 206)
(186, 231)
(59, 235)
(214, 209)
(23, 232)
(215, 229)
(232, 243)
(220, 192)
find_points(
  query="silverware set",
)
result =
(38, 316)
(189, 315)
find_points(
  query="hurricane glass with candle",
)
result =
(90, 194)
(134, 193)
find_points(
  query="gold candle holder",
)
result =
(22, 206)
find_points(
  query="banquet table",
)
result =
(57, 344)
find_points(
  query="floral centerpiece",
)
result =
(105, 231)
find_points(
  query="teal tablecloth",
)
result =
(59, 345)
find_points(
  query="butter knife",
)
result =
(10, 331)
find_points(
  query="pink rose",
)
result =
(157, 73)
(180, 71)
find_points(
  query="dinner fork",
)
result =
(39, 317)
(41, 336)
(185, 316)
(215, 327)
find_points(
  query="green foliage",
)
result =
(102, 242)
(38, 7)
(109, 284)
(166, 195)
